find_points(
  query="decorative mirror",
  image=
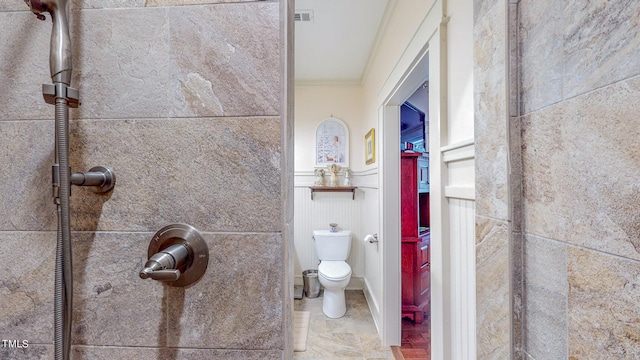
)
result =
(332, 143)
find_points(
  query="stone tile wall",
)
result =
(574, 157)
(183, 100)
(493, 217)
(580, 159)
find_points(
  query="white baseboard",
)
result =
(373, 307)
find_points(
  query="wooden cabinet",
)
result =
(416, 276)
(414, 204)
(415, 236)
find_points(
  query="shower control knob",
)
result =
(177, 256)
(160, 275)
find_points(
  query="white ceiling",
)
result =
(334, 47)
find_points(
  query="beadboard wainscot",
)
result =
(357, 212)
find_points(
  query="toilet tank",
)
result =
(332, 246)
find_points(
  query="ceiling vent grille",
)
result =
(303, 16)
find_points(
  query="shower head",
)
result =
(37, 8)
(60, 52)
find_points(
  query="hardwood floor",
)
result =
(416, 340)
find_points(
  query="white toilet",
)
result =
(334, 273)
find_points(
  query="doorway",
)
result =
(390, 200)
(451, 180)
(415, 225)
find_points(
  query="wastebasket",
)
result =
(311, 283)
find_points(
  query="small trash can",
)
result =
(311, 283)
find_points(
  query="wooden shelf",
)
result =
(351, 189)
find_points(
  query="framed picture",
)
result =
(370, 147)
(332, 143)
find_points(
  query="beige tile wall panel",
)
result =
(492, 289)
(238, 302)
(601, 44)
(580, 158)
(220, 174)
(493, 313)
(603, 305)
(113, 306)
(26, 286)
(491, 113)
(545, 307)
(541, 47)
(580, 164)
(26, 156)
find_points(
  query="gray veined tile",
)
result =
(603, 303)
(545, 308)
(601, 44)
(27, 262)
(236, 68)
(541, 47)
(213, 313)
(194, 171)
(122, 63)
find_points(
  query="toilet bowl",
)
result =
(334, 273)
(334, 276)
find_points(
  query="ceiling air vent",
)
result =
(303, 15)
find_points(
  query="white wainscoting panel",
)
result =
(316, 214)
(463, 275)
(370, 211)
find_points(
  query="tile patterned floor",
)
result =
(353, 336)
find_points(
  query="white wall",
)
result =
(402, 24)
(460, 71)
(406, 18)
(316, 103)
(458, 154)
(312, 105)
(451, 128)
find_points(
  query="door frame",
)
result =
(426, 54)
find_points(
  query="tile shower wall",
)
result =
(580, 161)
(574, 163)
(493, 217)
(182, 99)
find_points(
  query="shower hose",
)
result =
(63, 299)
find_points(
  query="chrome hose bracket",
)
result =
(59, 90)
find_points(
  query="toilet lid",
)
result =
(334, 270)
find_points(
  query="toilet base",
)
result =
(333, 303)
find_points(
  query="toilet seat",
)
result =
(334, 270)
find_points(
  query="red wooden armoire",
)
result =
(415, 235)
